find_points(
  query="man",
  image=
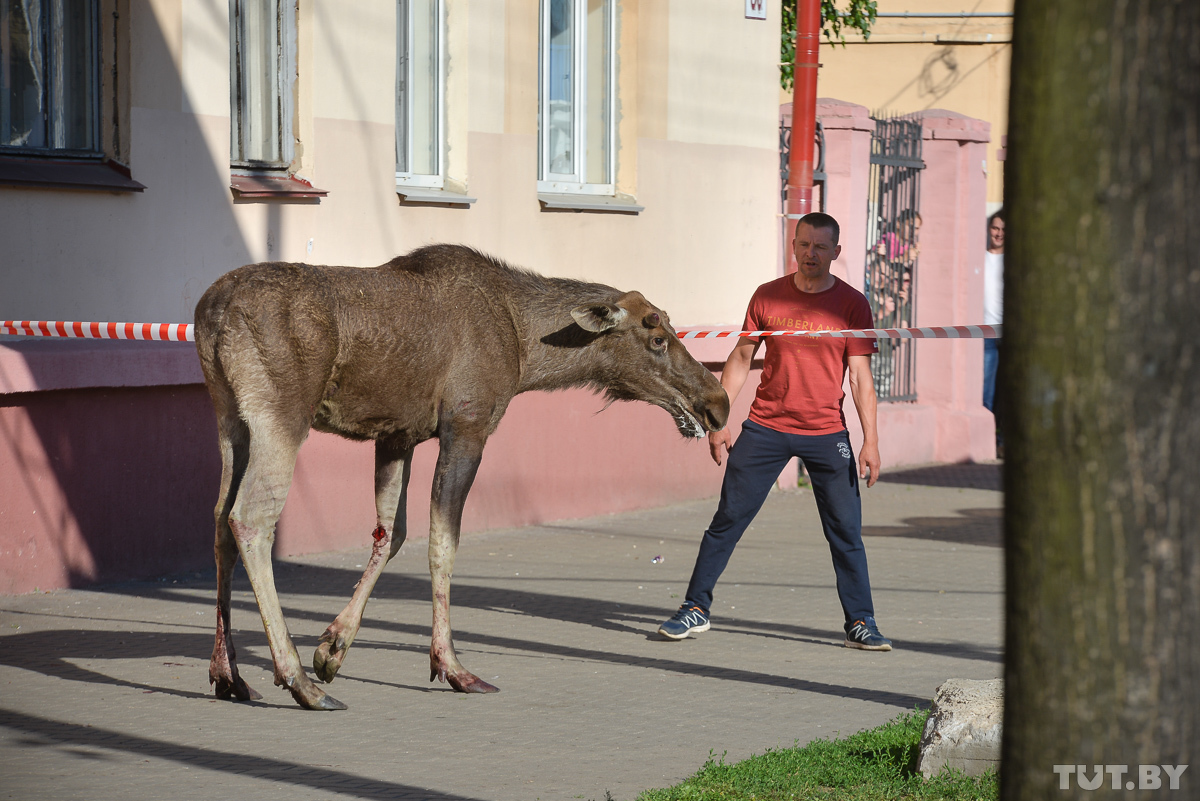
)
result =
(798, 412)
(993, 314)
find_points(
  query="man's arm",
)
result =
(733, 376)
(862, 387)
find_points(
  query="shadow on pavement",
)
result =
(52, 732)
(964, 476)
(974, 527)
(57, 652)
(302, 579)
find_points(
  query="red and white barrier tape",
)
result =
(936, 332)
(182, 332)
(163, 332)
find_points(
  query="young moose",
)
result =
(432, 344)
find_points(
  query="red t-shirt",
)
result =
(801, 387)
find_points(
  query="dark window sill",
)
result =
(264, 187)
(37, 173)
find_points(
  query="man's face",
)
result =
(996, 235)
(815, 250)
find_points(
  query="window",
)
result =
(420, 91)
(577, 121)
(49, 81)
(262, 72)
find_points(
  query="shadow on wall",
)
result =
(939, 74)
(111, 483)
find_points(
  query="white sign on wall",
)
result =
(756, 9)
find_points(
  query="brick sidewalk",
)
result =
(105, 692)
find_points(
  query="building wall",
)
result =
(108, 460)
(697, 149)
(108, 463)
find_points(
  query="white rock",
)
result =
(964, 727)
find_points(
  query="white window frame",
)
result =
(404, 100)
(53, 67)
(576, 183)
(285, 79)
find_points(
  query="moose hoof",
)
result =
(462, 681)
(235, 689)
(310, 696)
(468, 683)
(328, 703)
(327, 659)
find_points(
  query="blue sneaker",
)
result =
(864, 635)
(690, 619)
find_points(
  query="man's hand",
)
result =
(716, 439)
(868, 463)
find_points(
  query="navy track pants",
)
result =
(754, 464)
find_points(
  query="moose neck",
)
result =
(555, 352)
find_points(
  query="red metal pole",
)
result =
(804, 119)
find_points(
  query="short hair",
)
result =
(820, 220)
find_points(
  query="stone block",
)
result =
(964, 728)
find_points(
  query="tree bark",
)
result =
(1100, 384)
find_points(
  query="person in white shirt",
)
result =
(993, 314)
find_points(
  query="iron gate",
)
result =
(819, 177)
(893, 230)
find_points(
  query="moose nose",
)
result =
(714, 411)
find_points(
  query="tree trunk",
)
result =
(1101, 386)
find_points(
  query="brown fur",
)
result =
(432, 344)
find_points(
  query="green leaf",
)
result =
(859, 16)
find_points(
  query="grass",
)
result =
(875, 765)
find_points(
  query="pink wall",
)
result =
(106, 476)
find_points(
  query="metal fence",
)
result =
(893, 248)
(820, 180)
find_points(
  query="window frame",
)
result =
(404, 113)
(285, 76)
(576, 183)
(95, 150)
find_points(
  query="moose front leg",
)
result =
(392, 466)
(457, 462)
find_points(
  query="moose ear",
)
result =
(598, 317)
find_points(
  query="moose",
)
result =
(435, 343)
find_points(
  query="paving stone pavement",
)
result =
(104, 692)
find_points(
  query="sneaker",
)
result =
(864, 635)
(689, 619)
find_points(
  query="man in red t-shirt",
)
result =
(797, 411)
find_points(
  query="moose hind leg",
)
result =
(458, 460)
(392, 465)
(222, 668)
(252, 520)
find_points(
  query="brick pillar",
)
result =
(848, 128)
(950, 284)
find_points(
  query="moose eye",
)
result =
(658, 342)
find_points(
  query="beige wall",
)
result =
(921, 63)
(697, 148)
